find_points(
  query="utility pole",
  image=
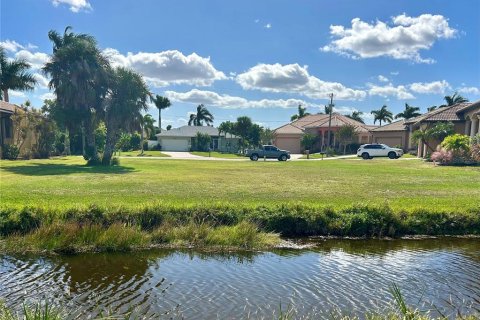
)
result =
(330, 111)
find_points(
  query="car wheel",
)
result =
(365, 156)
(254, 157)
(282, 158)
(392, 155)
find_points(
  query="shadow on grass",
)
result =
(49, 169)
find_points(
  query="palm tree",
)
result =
(357, 116)
(432, 108)
(161, 103)
(127, 99)
(202, 115)
(409, 112)
(14, 75)
(382, 115)
(454, 99)
(301, 113)
(148, 125)
(80, 76)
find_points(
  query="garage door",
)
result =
(175, 145)
(289, 144)
(390, 141)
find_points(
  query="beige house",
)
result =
(10, 117)
(465, 117)
(289, 136)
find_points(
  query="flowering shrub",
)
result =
(475, 148)
(442, 156)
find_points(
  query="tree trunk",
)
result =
(5, 95)
(160, 119)
(67, 150)
(110, 142)
(91, 148)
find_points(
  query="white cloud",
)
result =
(11, 45)
(47, 96)
(382, 78)
(435, 87)
(268, 26)
(469, 90)
(394, 73)
(42, 82)
(293, 78)
(402, 40)
(168, 67)
(230, 102)
(400, 92)
(17, 94)
(75, 5)
(36, 59)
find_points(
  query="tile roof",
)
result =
(190, 131)
(320, 121)
(7, 107)
(450, 113)
(394, 126)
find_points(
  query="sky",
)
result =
(262, 58)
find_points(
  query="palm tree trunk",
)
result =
(91, 148)
(109, 146)
(160, 119)
(5, 95)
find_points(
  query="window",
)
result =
(8, 128)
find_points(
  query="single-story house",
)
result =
(395, 134)
(181, 139)
(465, 117)
(10, 116)
(289, 136)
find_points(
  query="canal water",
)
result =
(339, 276)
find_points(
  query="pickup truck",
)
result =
(269, 152)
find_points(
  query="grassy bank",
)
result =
(403, 185)
(102, 228)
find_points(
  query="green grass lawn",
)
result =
(218, 155)
(146, 153)
(67, 182)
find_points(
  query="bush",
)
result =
(202, 142)
(10, 152)
(145, 145)
(123, 143)
(475, 148)
(101, 137)
(442, 156)
(459, 146)
(135, 141)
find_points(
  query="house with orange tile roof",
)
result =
(289, 136)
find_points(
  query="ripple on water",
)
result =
(350, 276)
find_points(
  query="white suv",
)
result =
(368, 151)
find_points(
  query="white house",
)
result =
(180, 139)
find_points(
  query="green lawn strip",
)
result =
(403, 185)
(138, 153)
(218, 155)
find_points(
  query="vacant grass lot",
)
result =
(404, 185)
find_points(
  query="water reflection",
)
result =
(351, 275)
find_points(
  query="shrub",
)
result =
(202, 142)
(442, 156)
(456, 143)
(10, 152)
(135, 141)
(475, 148)
(145, 145)
(123, 142)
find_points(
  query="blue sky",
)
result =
(263, 58)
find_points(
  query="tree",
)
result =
(308, 140)
(242, 129)
(432, 108)
(356, 115)
(14, 75)
(148, 126)
(382, 115)
(127, 98)
(301, 113)
(409, 112)
(454, 99)
(226, 127)
(346, 134)
(202, 141)
(202, 115)
(441, 130)
(267, 135)
(161, 103)
(169, 127)
(80, 75)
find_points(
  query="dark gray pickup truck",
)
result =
(269, 152)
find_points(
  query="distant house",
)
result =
(289, 136)
(181, 139)
(465, 117)
(10, 116)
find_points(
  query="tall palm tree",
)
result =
(409, 112)
(148, 125)
(14, 75)
(454, 99)
(161, 103)
(382, 115)
(202, 115)
(127, 99)
(301, 113)
(80, 76)
(357, 116)
(432, 108)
